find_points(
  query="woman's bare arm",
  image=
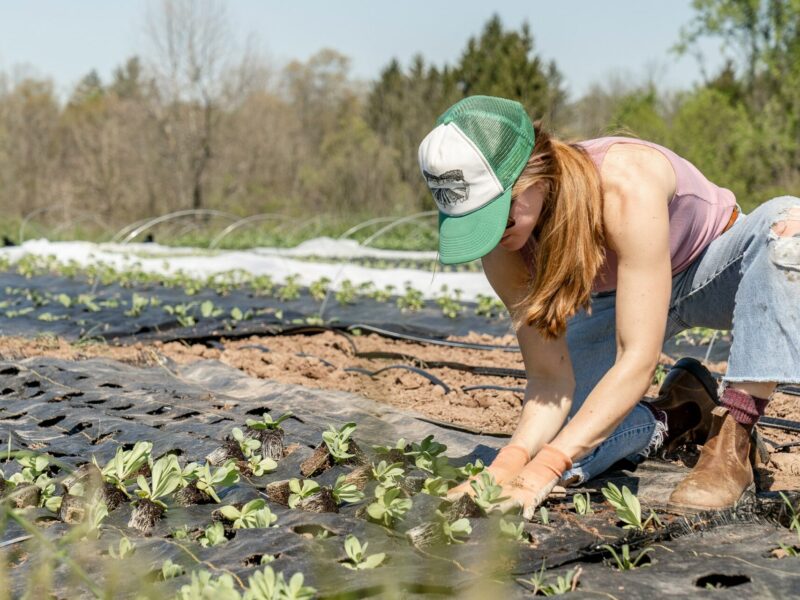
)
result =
(551, 383)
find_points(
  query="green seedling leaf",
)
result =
(346, 492)
(266, 422)
(300, 490)
(582, 504)
(357, 555)
(214, 535)
(170, 570)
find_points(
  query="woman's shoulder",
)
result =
(627, 167)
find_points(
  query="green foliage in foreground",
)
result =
(628, 508)
(624, 560)
(357, 555)
(546, 586)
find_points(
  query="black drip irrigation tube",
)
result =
(434, 341)
(497, 388)
(432, 378)
(437, 364)
(784, 424)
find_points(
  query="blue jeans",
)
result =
(746, 280)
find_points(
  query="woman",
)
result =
(600, 250)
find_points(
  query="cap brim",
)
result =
(471, 236)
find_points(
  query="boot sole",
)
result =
(688, 509)
(696, 368)
(699, 432)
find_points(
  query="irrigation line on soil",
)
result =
(432, 378)
(423, 340)
(462, 428)
(775, 423)
(497, 388)
(443, 364)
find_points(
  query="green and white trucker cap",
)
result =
(471, 160)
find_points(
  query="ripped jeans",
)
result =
(747, 280)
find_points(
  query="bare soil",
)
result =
(323, 361)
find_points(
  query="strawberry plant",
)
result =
(237, 314)
(268, 585)
(563, 584)
(513, 531)
(262, 285)
(170, 570)
(346, 492)
(209, 311)
(338, 441)
(125, 548)
(266, 422)
(624, 560)
(388, 475)
(123, 468)
(487, 493)
(489, 307)
(247, 444)
(425, 453)
(207, 480)
(346, 294)
(357, 555)
(628, 508)
(382, 295)
(300, 491)
(450, 304)
(582, 504)
(435, 486)
(319, 288)
(389, 506)
(254, 514)
(290, 289)
(214, 535)
(411, 301)
(203, 586)
(164, 479)
(454, 531)
(138, 304)
(181, 313)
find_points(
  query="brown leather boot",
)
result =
(687, 395)
(722, 475)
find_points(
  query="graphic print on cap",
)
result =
(449, 189)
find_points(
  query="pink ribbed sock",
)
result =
(744, 408)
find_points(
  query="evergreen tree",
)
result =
(503, 63)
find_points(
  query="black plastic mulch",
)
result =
(268, 313)
(74, 410)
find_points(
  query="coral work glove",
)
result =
(535, 481)
(506, 466)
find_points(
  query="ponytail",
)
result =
(567, 245)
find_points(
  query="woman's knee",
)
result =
(784, 234)
(778, 211)
(778, 220)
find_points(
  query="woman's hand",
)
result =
(535, 482)
(506, 466)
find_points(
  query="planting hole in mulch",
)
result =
(719, 581)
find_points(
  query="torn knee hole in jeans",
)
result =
(785, 236)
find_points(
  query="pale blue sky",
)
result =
(589, 40)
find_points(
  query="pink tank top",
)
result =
(698, 212)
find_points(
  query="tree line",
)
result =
(194, 124)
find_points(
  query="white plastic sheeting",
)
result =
(279, 263)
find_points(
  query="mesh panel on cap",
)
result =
(500, 129)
